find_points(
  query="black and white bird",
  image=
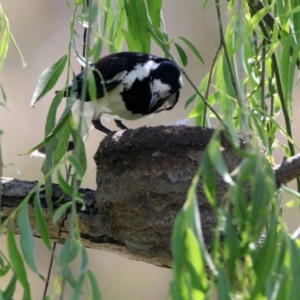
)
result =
(130, 86)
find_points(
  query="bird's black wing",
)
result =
(112, 68)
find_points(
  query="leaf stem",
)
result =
(209, 80)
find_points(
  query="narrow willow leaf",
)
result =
(79, 150)
(50, 148)
(196, 264)
(41, 222)
(223, 286)
(62, 144)
(294, 268)
(178, 249)
(3, 93)
(190, 100)
(263, 188)
(231, 247)
(138, 23)
(182, 54)
(10, 289)
(18, 49)
(108, 15)
(92, 85)
(84, 260)
(94, 285)
(265, 261)
(132, 44)
(4, 47)
(154, 10)
(78, 288)
(4, 270)
(68, 275)
(80, 171)
(193, 48)
(209, 179)
(17, 262)
(60, 211)
(48, 79)
(118, 35)
(69, 251)
(214, 151)
(26, 238)
(64, 184)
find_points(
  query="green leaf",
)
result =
(60, 211)
(154, 10)
(62, 145)
(263, 265)
(195, 265)
(68, 275)
(137, 20)
(178, 248)
(294, 268)
(215, 153)
(132, 44)
(26, 238)
(78, 288)
(17, 262)
(41, 222)
(223, 286)
(4, 270)
(190, 100)
(69, 251)
(84, 260)
(64, 185)
(79, 151)
(80, 171)
(209, 179)
(94, 285)
(48, 79)
(193, 48)
(92, 85)
(4, 47)
(3, 93)
(10, 289)
(121, 21)
(182, 54)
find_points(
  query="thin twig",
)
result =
(223, 42)
(209, 80)
(49, 270)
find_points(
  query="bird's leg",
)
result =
(97, 124)
(120, 124)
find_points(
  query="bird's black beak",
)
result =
(154, 99)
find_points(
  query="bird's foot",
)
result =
(98, 125)
(120, 124)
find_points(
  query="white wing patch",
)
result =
(139, 72)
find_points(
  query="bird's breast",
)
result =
(113, 105)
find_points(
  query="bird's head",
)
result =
(165, 80)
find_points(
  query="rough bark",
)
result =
(142, 179)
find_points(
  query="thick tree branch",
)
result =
(142, 179)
